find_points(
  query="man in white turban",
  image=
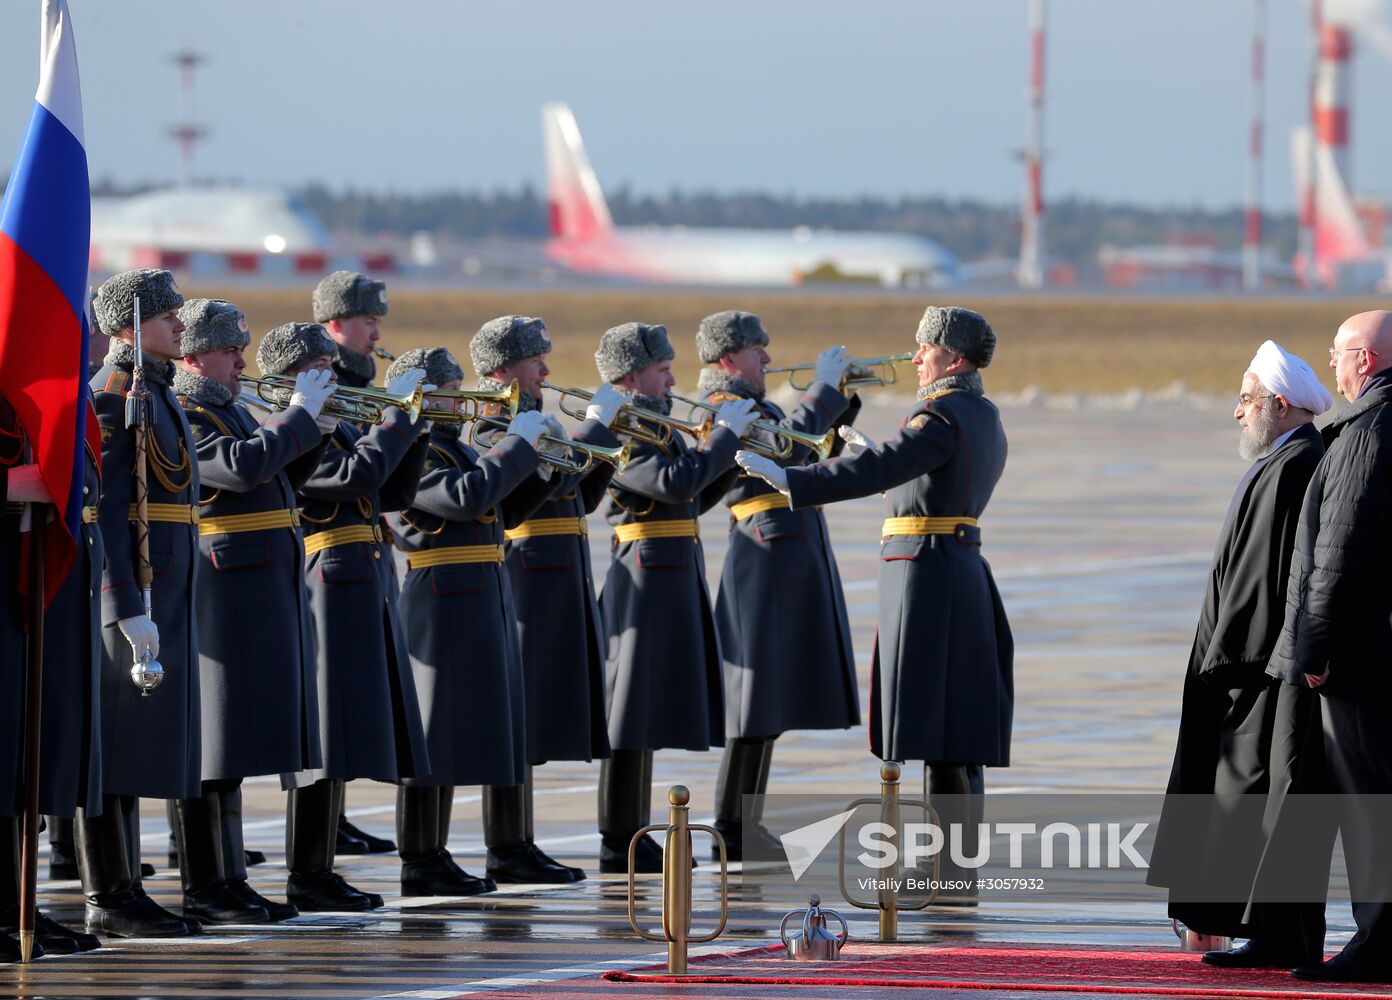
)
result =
(1241, 732)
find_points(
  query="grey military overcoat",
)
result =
(461, 624)
(784, 632)
(255, 633)
(558, 624)
(943, 672)
(151, 746)
(369, 718)
(663, 666)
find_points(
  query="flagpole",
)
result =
(29, 831)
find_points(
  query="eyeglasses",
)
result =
(1245, 399)
(1334, 352)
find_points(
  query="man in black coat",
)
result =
(351, 307)
(1338, 627)
(1210, 836)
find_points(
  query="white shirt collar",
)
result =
(1271, 448)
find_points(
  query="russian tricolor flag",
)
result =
(45, 230)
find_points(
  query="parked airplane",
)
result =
(207, 228)
(585, 239)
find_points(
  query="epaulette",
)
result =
(917, 423)
(221, 425)
(116, 382)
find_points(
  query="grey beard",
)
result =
(966, 382)
(525, 400)
(200, 388)
(1257, 438)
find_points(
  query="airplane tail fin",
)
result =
(575, 202)
(1339, 234)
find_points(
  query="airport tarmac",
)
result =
(1100, 536)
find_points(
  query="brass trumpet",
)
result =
(617, 457)
(629, 422)
(475, 400)
(864, 373)
(784, 438)
(366, 406)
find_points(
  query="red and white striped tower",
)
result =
(1332, 96)
(187, 131)
(1305, 245)
(1252, 231)
(1031, 270)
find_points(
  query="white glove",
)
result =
(405, 383)
(555, 429)
(142, 634)
(856, 442)
(26, 485)
(311, 389)
(605, 405)
(831, 366)
(528, 426)
(327, 422)
(765, 468)
(736, 414)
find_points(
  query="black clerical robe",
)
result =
(1211, 832)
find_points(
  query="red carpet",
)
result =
(1040, 968)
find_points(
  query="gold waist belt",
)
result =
(656, 529)
(925, 525)
(89, 514)
(263, 520)
(174, 513)
(452, 555)
(541, 526)
(319, 541)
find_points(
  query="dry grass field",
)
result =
(1057, 344)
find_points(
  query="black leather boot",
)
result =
(957, 793)
(50, 937)
(426, 866)
(62, 853)
(310, 825)
(114, 904)
(234, 855)
(625, 797)
(511, 857)
(198, 830)
(575, 874)
(743, 767)
(350, 837)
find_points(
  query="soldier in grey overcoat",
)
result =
(260, 706)
(351, 306)
(784, 632)
(151, 746)
(369, 718)
(548, 563)
(70, 727)
(663, 669)
(461, 626)
(942, 678)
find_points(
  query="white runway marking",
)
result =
(542, 977)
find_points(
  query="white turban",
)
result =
(1287, 375)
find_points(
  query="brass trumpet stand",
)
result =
(676, 882)
(887, 898)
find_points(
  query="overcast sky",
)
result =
(1148, 102)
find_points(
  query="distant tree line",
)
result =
(1077, 228)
